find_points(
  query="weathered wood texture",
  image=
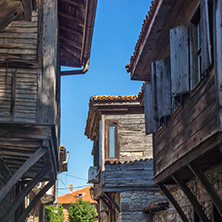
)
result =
(133, 144)
(190, 125)
(18, 95)
(50, 66)
(129, 174)
(149, 109)
(218, 55)
(9, 10)
(179, 55)
(18, 41)
(163, 87)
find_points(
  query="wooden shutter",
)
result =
(149, 109)
(179, 59)
(193, 48)
(218, 50)
(163, 88)
(205, 36)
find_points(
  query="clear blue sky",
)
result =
(117, 27)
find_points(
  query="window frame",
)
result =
(109, 123)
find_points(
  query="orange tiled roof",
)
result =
(142, 35)
(73, 197)
(140, 94)
(106, 99)
(113, 98)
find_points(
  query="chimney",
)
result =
(70, 188)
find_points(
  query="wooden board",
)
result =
(179, 59)
(189, 126)
(163, 80)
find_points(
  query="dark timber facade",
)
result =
(179, 56)
(36, 38)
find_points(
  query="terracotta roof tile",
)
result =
(73, 197)
(140, 94)
(114, 98)
(127, 162)
(142, 35)
(106, 99)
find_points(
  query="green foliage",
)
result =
(53, 214)
(82, 211)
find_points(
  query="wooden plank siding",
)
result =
(132, 142)
(18, 95)
(18, 41)
(137, 174)
(190, 125)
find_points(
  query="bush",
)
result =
(53, 214)
(82, 211)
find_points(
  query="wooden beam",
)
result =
(174, 202)
(20, 197)
(27, 5)
(108, 196)
(71, 18)
(9, 10)
(106, 203)
(191, 198)
(21, 171)
(73, 4)
(35, 200)
(208, 186)
(25, 131)
(70, 42)
(4, 170)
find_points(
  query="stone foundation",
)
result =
(170, 215)
(132, 202)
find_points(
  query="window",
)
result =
(201, 42)
(111, 152)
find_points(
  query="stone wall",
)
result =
(132, 202)
(170, 215)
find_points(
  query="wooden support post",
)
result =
(191, 198)
(35, 200)
(20, 197)
(27, 5)
(106, 203)
(208, 186)
(21, 171)
(112, 201)
(9, 10)
(174, 202)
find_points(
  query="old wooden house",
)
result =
(123, 167)
(37, 37)
(179, 55)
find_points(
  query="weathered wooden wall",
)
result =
(29, 69)
(19, 75)
(18, 41)
(133, 144)
(129, 174)
(190, 125)
(18, 95)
